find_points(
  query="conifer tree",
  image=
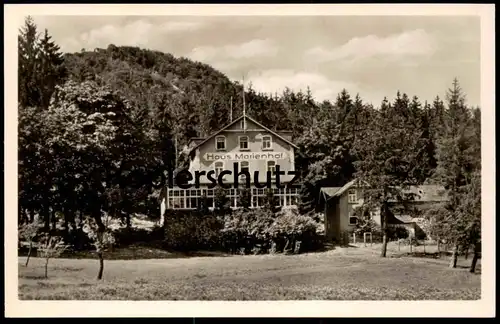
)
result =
(455, 165)
(29, 61)
(51, 71)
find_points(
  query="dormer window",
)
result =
(220, 143)
(266, 142)
(243, 143)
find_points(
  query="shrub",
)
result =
(246, 229)
(191, 230)
(395, 233)
(127, 236)
(263, 231)
(51, 247)
(245, 198)
(291, 227)
(243, 231)
(221, 201)
(101, 237)
(28, 232)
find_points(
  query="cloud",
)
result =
(180, 26)
(322, 87)
(136, 33)
(252, 49)
(397, 47)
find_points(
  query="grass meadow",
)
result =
(353, 273)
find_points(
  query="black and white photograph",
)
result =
(240, 156)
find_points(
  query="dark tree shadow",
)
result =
(33, 277)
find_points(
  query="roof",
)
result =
(405, 219)
(234, 122)
(196, 138)
(330, 191)
(337, 191)
(428, 193)
(423, 193)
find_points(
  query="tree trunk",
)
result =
(438, 245)
(21, 216)
(473, 264)
(81, 219)
(46, 267)
(466, 254)
(53, 219)
(454, 257)
(286, 245)
(71, 218)
(101, 265)
(65, 211)
(383, 252)
(29, 253)
(46, 217)
(127, 219)
(32, 215)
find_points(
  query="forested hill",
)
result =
(195, 98)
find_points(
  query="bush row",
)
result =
(243, 231)
(240, 231)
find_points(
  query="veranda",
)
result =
(178, 198)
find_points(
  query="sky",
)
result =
(371, 55)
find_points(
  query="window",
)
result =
(244, 166)
(266, 142)
(271, 167)
(292, 196)
(220, 143)
(192, 199)
(353, 220)
(243, 142)
(218, 167)
(352, 198)
(176, 199)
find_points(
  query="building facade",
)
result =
(252, 150)
(339, 204)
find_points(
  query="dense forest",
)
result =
(97, 131)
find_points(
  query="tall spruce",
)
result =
(51, 69)
(29, 62)
(455, 165)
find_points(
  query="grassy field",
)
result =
(355, 273)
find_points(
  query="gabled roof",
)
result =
(234, 122)
(422, 193)
(402, 219)
(330, 192)
(428, 193)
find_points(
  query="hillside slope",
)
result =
(195, 98)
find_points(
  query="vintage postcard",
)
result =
(312, 160)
